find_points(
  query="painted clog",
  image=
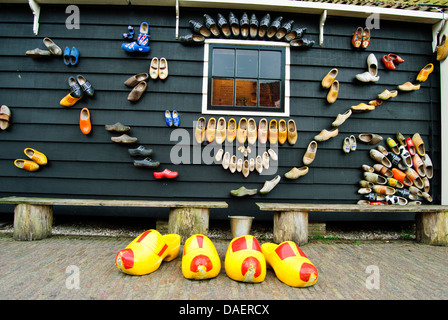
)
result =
(146, 252)
(200, 260)
(245, 261)
(84, 121)
(290, 264)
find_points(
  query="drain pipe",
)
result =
(177, 19)
(35, 7)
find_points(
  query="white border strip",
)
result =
(241, 112)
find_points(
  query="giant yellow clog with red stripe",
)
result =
(200, 260)
(244, 260)
(290, 264)
(146, 252)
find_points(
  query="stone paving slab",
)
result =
(49, 269)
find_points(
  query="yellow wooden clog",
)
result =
(36, 156)
(231, 130)
(27, 165)
(290, 264)
(200, 260)
(146, 252)
(244, 260)
(425, 72)
(282, 131)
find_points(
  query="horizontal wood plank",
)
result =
(114, 203)
(309, 207)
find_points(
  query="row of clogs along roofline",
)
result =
(246, 130)
(245, 259)
(247, 28)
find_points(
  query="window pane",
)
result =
(246, 93)
(223, 62)
(270, 94)
(247, 63)
(222, 92)
(270, 64)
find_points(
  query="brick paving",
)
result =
(43, 270)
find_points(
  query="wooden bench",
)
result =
(33, 217)
(291, 219)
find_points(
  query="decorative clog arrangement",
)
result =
(247, 131)
(142, 152)
(245, 259)
(37, 159)
(142, 42)
(349, 143)
(400, 176)
(245, 28)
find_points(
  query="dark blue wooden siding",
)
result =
(94, 167)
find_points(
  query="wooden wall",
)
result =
(94, 167)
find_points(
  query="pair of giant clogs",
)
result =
(246, 261)
(145, 254)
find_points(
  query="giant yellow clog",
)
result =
(146, 252)
(290, 264)
(200, 260)
(244, 260)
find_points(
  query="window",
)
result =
(246, 78)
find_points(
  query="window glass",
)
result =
(247, 63)
(222, 92)
(223, 62)
(246, 93)
(270, 64)
(246, 78)
(270, 93)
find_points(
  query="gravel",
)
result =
(132, 227)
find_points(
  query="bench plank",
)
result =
(33, 216)
(113, 203)
(312, 207)
(291, 219)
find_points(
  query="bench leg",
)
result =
(432, 228)
(291, 225)
(188, 221)
(32, 222)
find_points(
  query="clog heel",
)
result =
(146, 252)
(290, 264)
(200, 260)
(244, 260)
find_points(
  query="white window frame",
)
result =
(205, 78)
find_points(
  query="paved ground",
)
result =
(82, 268)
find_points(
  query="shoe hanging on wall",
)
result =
(84, 121)
(5, 117)
(211, 25)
